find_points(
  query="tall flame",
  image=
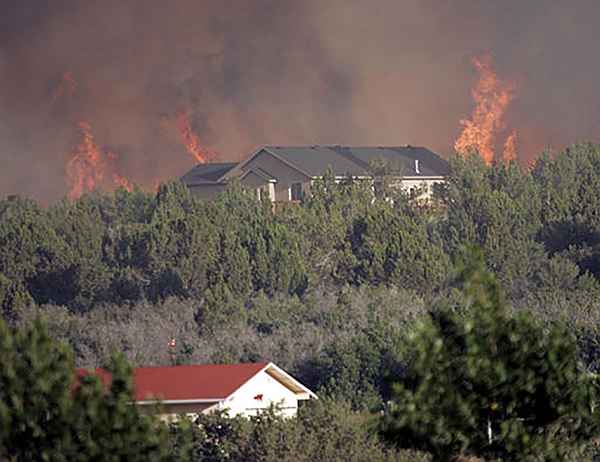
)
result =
(492, 97)
(509, 153)
(86, 169)
(190, 139)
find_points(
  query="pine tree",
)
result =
(45, 416)
(487, 383)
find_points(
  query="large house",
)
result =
(285, 173)
(239, 389)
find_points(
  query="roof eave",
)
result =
(286, 378)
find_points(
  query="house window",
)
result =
(296, 193)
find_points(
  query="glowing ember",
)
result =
(492, 97)
(88, 166)
(509, 154)
(189, 138)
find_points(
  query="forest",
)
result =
(334, 290)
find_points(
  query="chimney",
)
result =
(417, 170)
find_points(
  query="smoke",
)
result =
(273, 72)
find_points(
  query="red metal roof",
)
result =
(197, 382)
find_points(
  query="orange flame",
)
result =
(509, 154)
(492, 97)
(86, 169)
(122, 182)
(189, 138)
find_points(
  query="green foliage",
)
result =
(43, 418)
(329, 289)
(488, 383)
(498, 209)
(322, 431)
(35, 396)
(108, 427)
(394, 247)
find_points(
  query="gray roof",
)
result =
(315, 160)
(356, 161)
(207, 173)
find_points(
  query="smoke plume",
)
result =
(276, 72)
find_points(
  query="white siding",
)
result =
(243, 401)
(417, 183)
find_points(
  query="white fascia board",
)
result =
(305, 394)
(305, 391)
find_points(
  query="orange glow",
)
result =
(189, 138)
(88, 166)
(122, 182)
(509, 153)
(492, 97)
(84, 169)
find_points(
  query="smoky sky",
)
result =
(277, 72)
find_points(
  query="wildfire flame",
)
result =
(190, 139)
(509, 153)
(122, 182)
(87, 167)
(492, 97)
(84, 169)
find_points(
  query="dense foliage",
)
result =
(45, 417)
(485, 382)
(48, 415)
(329, 289)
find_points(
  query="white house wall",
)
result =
(417, 183)
(244, 401)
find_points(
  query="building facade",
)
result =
(286, 173)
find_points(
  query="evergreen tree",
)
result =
(45, 416)
(487, 383)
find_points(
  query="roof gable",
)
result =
(206, 382)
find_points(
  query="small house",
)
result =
(239, 389)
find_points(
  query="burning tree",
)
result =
(492, 97)
(189, 138)
(88, 167)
